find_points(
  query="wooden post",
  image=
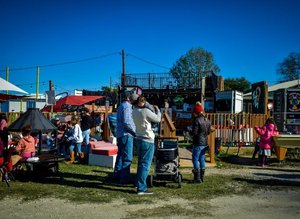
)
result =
(106, 131)
(211, 143)
(169, 128)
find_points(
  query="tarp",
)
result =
(5, 97)
(34, 118)
(5, 85)
(71, 100)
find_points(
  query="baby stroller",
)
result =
(166, 160)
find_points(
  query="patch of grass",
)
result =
(85, 184)
(172, 210)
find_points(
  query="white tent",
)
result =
(5, 85)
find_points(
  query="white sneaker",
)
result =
(145, 193)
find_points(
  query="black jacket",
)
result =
(87, 122)
(200, 130)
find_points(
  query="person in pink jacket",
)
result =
(26, 145)
(266, 134)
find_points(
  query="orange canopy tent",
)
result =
(71, 100)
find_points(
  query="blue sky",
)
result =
(247, 38)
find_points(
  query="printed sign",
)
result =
(293, 101)
(259, 97)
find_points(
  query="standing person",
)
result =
(125, 135)
(143, 117)
(87, 123)
(201, 128)
(66, 140)
(76, 139)
(266, 140)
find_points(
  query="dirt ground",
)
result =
(262, 204)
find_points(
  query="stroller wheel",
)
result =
(150, 181)
(179, 180)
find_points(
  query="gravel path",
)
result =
(262, 204)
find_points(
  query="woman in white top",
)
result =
(76, 139)
(143, 117)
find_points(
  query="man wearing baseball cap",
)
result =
(125, 136)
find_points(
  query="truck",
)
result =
(229, 102)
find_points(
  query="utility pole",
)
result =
(51, 88)
(7, 74)
(50, 85)
(37, 82)
(202, 91)
(123, 77)
(110, 84)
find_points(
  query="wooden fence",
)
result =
(230, 129)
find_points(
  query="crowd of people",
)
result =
(69, 138)
(136, 121)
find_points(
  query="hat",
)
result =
(134, 96)
(198, 108)
(127, 95)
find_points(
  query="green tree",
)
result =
(239, 84)
(105, 88)
(289, 69)
(189, 68)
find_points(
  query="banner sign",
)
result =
(259, 97)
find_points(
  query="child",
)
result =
(76, 139)
(66, 141)
(266, 140)
(26, 145)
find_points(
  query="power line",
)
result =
(62, 63)
(151, 63)
(32, 83)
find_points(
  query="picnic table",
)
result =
(283, 142)
(44, 163)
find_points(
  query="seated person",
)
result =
(65, 142)
(26, 145)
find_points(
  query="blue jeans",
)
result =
(78, 146)
(124, 158)
(145, 151)
(86, 140)
(198, 157)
